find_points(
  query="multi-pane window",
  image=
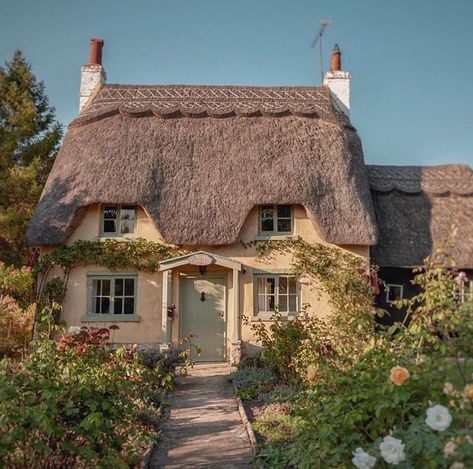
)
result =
(112, 295)
(276, 219)
(464, 291)
(118, 219)
(277, 293)
(394, 292)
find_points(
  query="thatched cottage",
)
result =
(206, 167)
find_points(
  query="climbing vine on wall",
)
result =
(346, 279)
(139, 254)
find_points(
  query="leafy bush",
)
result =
(280, 394)
(16, 326)
(392, 402)
(275, 425)
(73, 403)
(251, 381)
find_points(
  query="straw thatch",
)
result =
(199, 176)
(417, 208)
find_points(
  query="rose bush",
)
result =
(402, 398)
(74, 403)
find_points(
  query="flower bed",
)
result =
(368, 397)
(73, 403)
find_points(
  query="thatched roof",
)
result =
(198, 176)
(416, 208)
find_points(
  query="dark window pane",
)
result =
(109, 226)
(118, 306)
(129, 305)
(127, 213)
(96, 306)
(105, 287)
(293, 303)
(284, 225)
(270, 285)
(284, 211)
(282, 303)
(282, 284)
(118, 287)
(105, 305)
(110, 213)
(271, 303)
(267, 224)
(292, 285)
(267, 211)
(129, 287)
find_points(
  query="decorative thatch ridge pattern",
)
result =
(198, 178)
(211, 101)
(417, 208)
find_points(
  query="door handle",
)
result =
(220, 315)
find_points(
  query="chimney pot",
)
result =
(96, 46)
(336, 60)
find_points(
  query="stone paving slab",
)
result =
(204, 428)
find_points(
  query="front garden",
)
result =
(342, 392)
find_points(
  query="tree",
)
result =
(29, 140)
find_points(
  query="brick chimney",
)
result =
(338, 82)
(92, 74)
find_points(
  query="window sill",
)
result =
(110, 318)
(269, 317)
(275, 237)
(122, 238)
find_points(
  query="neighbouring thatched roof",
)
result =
(198, 176)
(416, 208)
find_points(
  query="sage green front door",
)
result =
(203, 314)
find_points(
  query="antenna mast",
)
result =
(318, 38)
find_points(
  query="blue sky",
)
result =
(411, 60)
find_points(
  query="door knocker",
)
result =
(202, 297)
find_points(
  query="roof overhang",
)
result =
(200, 258)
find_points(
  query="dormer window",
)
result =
(275, 220)
(118, 220)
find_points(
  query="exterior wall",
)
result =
(149, 296)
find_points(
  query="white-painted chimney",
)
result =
(338, 82)
(92, 74)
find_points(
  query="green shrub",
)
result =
(72, 403)
(250, 382)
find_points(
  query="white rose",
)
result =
(449, 449)
(438, 418)
(448, 389)
(457, 465)
(74, 330)
(363, 460)
(392, 450)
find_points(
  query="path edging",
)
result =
(245, 420)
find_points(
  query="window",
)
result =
(276, 219)
(394, 292)
(112, 294)
(118, 219)
(276, 293)
(464, 289)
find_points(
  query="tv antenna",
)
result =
(318, 38)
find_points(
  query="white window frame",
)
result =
(275, 231)
(110, 316)
(388, 288)
(464, 291)
(268, 313)
(117, 232)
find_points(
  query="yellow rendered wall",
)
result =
(149, 299)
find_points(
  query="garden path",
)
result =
(204, 428)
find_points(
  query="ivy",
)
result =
(140, 254)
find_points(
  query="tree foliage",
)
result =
(29, 141)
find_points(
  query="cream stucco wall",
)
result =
(149, 294)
